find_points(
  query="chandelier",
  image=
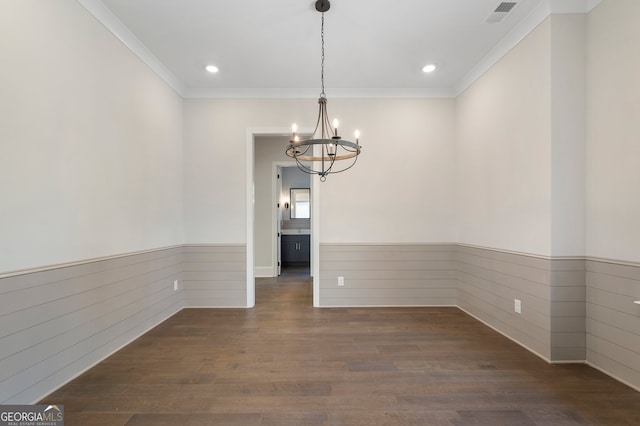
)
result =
(324, 152)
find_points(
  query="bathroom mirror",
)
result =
(300, 203)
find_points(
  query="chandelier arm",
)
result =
(294, 151)
(350, 150)
(332, 160)
(318, 120)
(347, 168)
(303, 153)
(330, 169)
(323, 155)
(328, 126)
(305, 168)
(308, 170)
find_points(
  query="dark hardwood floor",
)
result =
(286, 363)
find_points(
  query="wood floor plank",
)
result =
(287, 363)
(195, 419)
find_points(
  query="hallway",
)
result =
(286, 363)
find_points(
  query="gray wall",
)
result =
(613, 320)
(268, 149)
(58, 322)
(567, 311)
(551, 291)
(215, 275)
(388, 274)
(490, 280)
(292, 177)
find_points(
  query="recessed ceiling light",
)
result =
(212, 69)
(429, 68)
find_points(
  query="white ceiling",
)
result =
(273, 47)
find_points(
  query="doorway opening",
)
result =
(266, 213)
(293, 221)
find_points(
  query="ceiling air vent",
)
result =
(501, 11)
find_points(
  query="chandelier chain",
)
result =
(322, 94)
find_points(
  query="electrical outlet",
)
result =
(175, 285)
(517, 306)
(340, 281)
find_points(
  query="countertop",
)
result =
(295, 231)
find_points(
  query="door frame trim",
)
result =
(251, 134)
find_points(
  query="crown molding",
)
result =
(518, 33)
(539, 14)
(592, 3)
(118, 29)
(291, 93)
(572, 6)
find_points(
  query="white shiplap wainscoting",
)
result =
(56, 323)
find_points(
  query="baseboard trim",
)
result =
(263, 272)
(218, 307)
(107, 356)
(385, 306)
(213, 245)
(603, 371)
(547, 360)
